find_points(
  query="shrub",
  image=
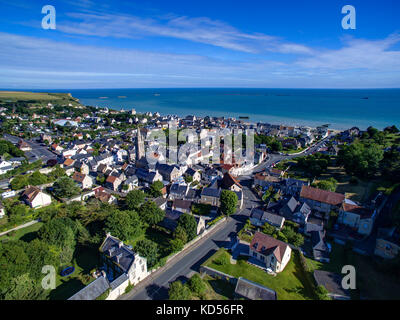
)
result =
(197, 285)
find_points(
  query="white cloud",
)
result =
(200, 30)
(30, 62)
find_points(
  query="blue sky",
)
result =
(142, 44)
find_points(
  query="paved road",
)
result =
(182, 268)
(156, 287)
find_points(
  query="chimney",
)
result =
(120, 244)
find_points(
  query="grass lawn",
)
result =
(218, 289)
(358, 192)
(290, 284)
(26, 234)
(85, 259)
(201, 209)
(371, 283)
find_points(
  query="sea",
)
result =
(340, 108)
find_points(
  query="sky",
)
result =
(192, 43)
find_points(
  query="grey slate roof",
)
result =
(254, 291)
(331, 281)
(273, 219)
(93, 290)
(120, 280)
(123, 256)
(211, 192)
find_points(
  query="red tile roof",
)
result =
(323, 196)
(362, 211)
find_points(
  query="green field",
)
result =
(290, 284)
(20, 95)
(27, 234)
(371, 283)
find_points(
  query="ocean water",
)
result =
(341, 109)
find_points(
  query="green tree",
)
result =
(155, 189)
(60, 233)
(180, 233)
(37, 178)
(151, 213)
(197, 285)
(178, 291)
(19, 182)
(176, 244)
(322, 293)
(328, 184)
(228, 201)
(125, 225)
(268, 229)
(65, 187)
(189, 224)
(149, 250)
(359, 159)
(134, 199)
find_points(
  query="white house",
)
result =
(120, 259)
(273, 253)
(2, 211)
(82, 180)
(5, 166)
(35, 198)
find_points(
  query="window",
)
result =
(254, 254)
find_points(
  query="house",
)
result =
(229, 182)
(332, 283)
(132, 183)
(321, 200)
(265, 180)
(82, 180)
(194, 174)
(68, 163)
(168, 172)
(183, 206)
(113, 182)
(35, 198)
(320, 248)
(387, 243)
(119, 259)
(210, 196)
(211, 174)
(5, 166)
(56, 147)
(333, 150)
(161, 202)
(276, 172)
(2, 211)
(81, 167)
(93, 290)
(177, 191)
(171, 219)
(295, 211)
(259, 217)
(148, 176)
(23, 145)
(101, 194)
(240, 199)
(357, 217)
(273, 253)
(253, 291)
(293, 186)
